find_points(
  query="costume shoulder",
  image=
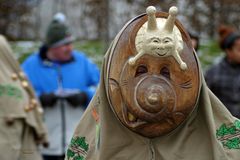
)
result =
(2, 39)
(82, 144)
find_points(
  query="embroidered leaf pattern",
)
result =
(232, 130)
(229, 135)
(77, 149)
(70, 153)
(10, 91)
(222, 131)
(80, 142)
(237, 124)
(233, 143)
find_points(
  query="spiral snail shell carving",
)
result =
(152, 95)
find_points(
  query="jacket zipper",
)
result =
(62, 107)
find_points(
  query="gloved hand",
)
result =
(77, 99)
(48, 99)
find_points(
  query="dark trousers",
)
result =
(53, 157)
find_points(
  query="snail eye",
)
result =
(166, 41)
(165, 72)
(141, 70)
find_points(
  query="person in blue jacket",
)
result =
(65, 81)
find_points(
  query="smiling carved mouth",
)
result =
(135, 122)
(130, 119)
(161, 53)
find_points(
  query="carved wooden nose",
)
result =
(153, 94)
(153, 98)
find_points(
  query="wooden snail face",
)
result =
(153, 95)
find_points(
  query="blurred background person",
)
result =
(22, 128)
(224, 77)
(195, 41)
(64, 80)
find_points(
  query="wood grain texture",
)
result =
(154, 96)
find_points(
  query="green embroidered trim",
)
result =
(10, 91)
(229, 135)
(77, 149)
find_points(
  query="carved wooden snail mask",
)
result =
(152, 74)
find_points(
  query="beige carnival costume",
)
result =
(21, 121)
(153, 102)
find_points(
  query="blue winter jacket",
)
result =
(47, 76)
(80, 73)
